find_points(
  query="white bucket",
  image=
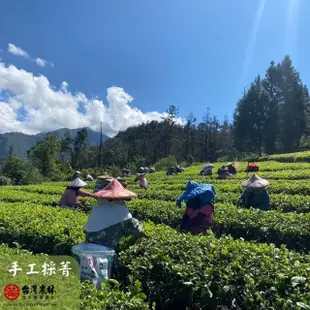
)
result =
(95, 251)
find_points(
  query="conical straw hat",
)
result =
(115, 190)
(105, 177)
(77, 182)
(255, 182)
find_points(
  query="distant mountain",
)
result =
(21, 143)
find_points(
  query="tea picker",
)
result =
(232, 168)
(69, 199)
(223, 173)
(140, 177)
(255, 194)
(206, 170)
(252, 167)
(198, 215)
(108, 222)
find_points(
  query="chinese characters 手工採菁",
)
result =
(47, 269)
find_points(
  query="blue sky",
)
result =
(193, 54)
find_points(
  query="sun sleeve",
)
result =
(85, 194)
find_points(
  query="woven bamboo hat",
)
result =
(115, 190)
(105, 177)
(77, 182)
(255, 182)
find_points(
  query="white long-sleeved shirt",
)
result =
(106, 214)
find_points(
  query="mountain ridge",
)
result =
(21, 142)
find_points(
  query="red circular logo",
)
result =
(11, 292)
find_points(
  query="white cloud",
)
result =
(17, 51)
(64, 86)
(47, 108)
(41, 62)
(8, 117)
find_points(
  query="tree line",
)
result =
(148, 143)
(272, 116)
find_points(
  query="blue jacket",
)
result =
(206, 192)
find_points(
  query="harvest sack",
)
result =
(94, 259)
(94, 269)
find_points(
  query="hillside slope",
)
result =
(21, 143)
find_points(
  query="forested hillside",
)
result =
(18, 143)
(151, 142)
(271, 117)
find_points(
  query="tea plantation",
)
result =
(254, 260)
